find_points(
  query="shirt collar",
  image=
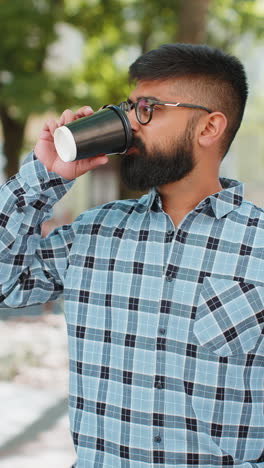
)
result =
(228, 199)
(222, 203)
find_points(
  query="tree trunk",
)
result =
(193, 21)
(13, 132)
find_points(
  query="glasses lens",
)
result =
(144, 111)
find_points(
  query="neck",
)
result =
(181, 197)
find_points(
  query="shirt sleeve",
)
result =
(32, 268)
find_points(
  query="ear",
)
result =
(212, 129)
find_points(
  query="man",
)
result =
(163, 295)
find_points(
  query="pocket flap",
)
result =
(230, 316)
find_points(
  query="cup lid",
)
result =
(65, 144)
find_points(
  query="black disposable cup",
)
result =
(107, 131)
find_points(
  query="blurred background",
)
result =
(58, 54)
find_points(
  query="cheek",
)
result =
(166, 128)
(161, 133)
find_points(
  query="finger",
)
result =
(66, 117)
(49, 127)
(89, 164)
(83, 112)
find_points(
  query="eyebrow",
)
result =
(143, 97)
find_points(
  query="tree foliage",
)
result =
(230, 20)
(117, 31)
(27, 30)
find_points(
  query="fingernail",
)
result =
(103, 160)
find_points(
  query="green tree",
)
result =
(117, 31)
(27, 30)
(230, 20)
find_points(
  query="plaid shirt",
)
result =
(164, 323)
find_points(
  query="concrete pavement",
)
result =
(35, 434)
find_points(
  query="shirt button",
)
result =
(159, 385)
(162, 330)
(157, 439)
(169, 277)
(170, 232)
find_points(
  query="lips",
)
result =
(131, 150)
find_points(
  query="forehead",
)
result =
(176, 89)
(159, 90)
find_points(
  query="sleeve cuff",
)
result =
(38, 179)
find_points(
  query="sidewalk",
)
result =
(34, 427)
(51, 450)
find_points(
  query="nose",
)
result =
(135, 125)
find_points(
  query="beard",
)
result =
(143, 169)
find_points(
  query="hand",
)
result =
(45, 149)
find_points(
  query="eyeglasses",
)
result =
(144, 107)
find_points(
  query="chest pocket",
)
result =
(230, 316)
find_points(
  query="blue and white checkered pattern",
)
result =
(164, 324)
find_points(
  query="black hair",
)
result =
(218, 78)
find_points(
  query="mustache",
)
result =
(138, 143)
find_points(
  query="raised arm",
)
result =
(32, 268)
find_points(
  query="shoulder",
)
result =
(251, 211)
(248, 223)
(112, 213)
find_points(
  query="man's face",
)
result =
(162, 150)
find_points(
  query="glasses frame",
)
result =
(128, 106)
